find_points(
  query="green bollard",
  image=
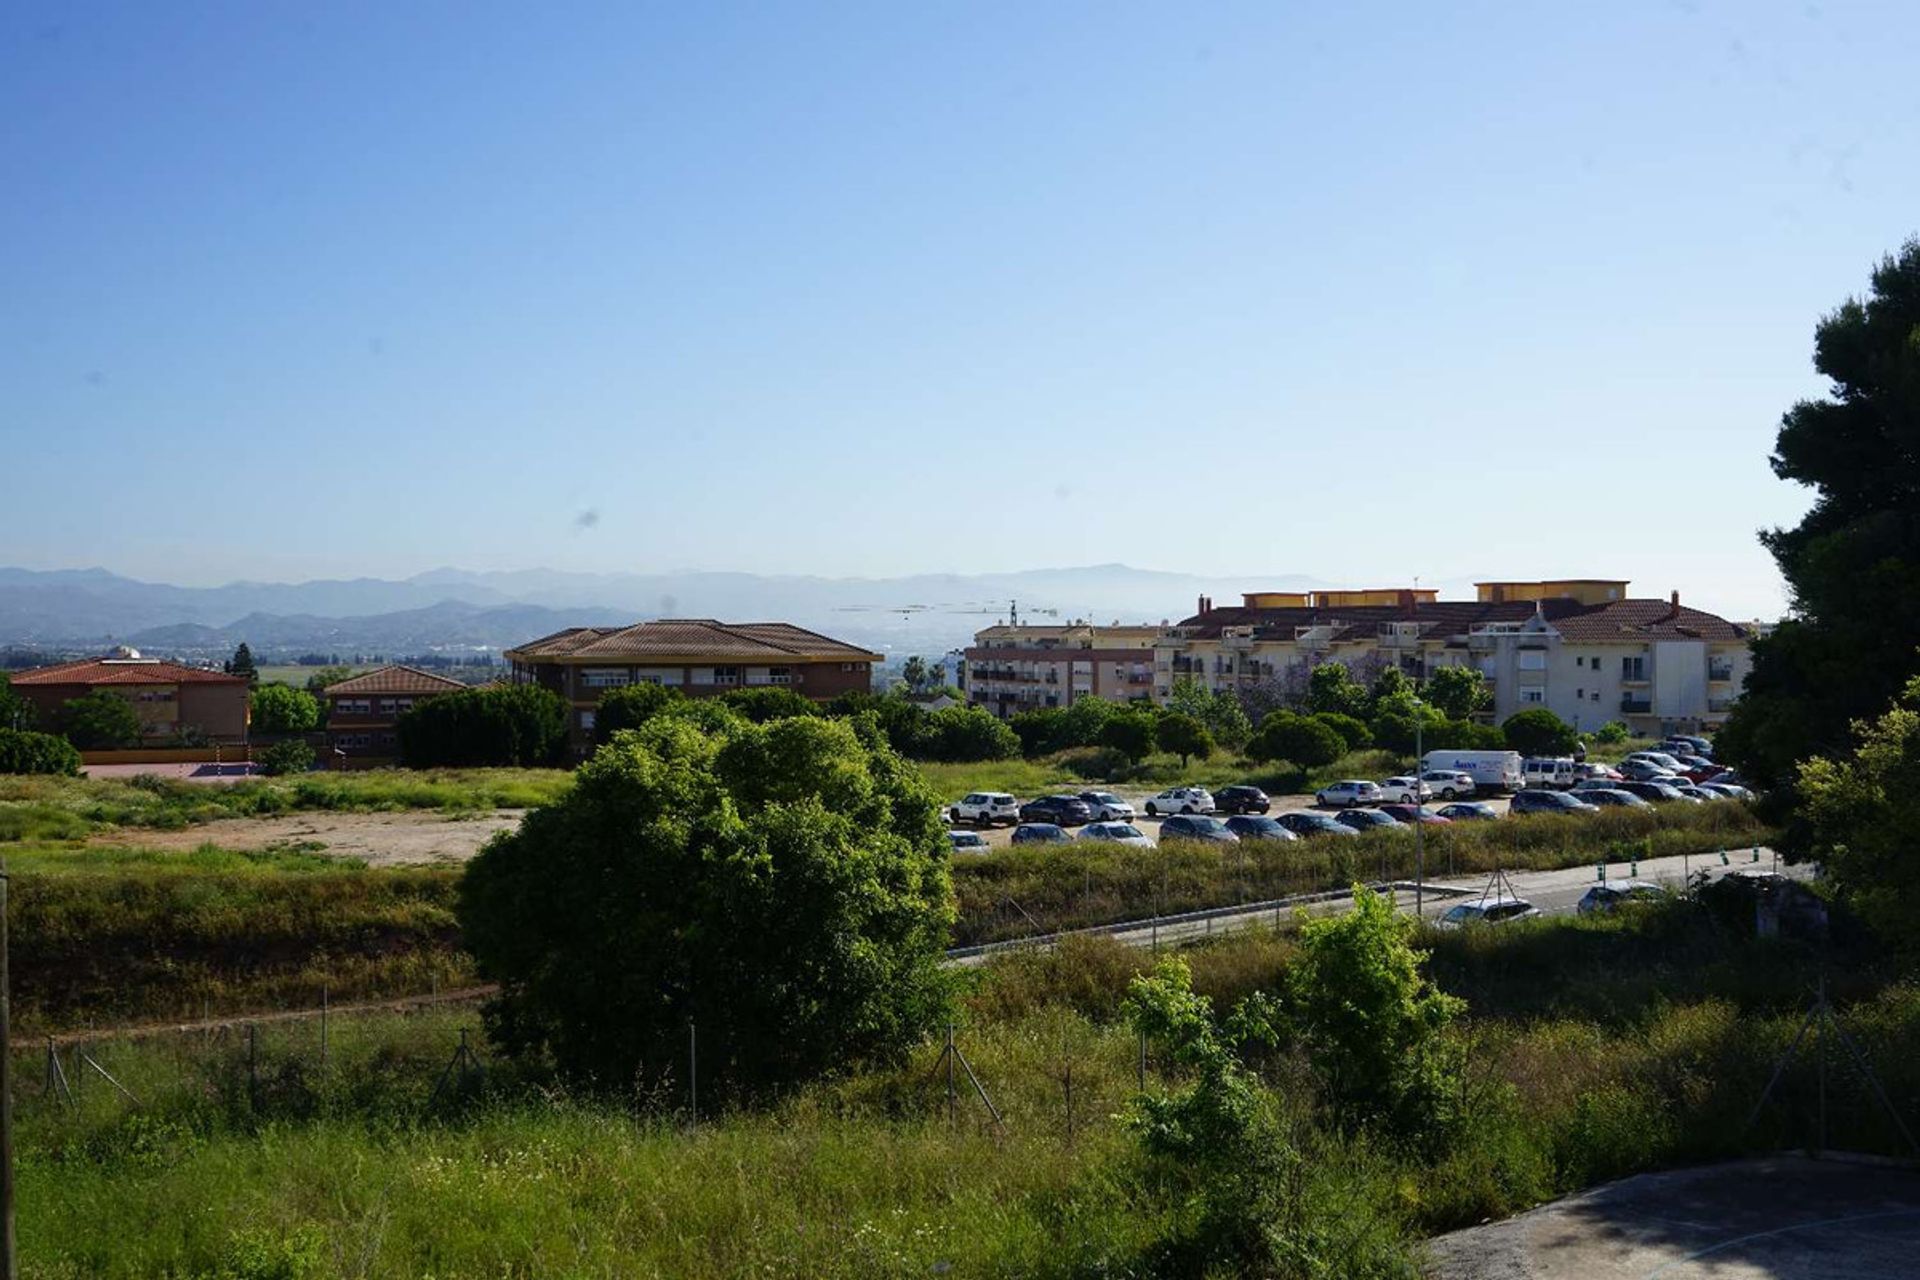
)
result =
(1756, 853)
(1600, 873)
(1724, 860)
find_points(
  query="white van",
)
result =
(1490, 770)
(1549, 771)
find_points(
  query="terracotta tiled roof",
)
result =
(99, 671)
(692, 637)
(1646, 619)
(394, 679)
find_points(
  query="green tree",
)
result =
(1400, 723)
(1460, 693)
(1612, 733)
(318, 681)
(1225, 719)
(1131, 733)
(1858, 815)
(241, 664)
(960, 734)
(784, 887)
(1538, 732)
(23, 751)
(914, 672)
(1040, 730)
(1184, 736)
(1332, 688)
(100, 720)
(279, 708)
(1390, 685)
(15, 711)
(769, 702)
(291, 756)
(904, 722)
(515, 724)
(1852, 565)
(1304, 740)
(629, 707)
(1372, 1024)
(1462, 735)
(1352, 730)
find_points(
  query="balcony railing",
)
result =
(1720, 671)
(1636, 706)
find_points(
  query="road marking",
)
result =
(1781, 1231)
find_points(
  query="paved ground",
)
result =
(380, 839)
(1779, 1218)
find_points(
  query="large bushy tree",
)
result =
(1332, 687)
(1306, 741)
(1858, 816)
(15, 711)
(1184, 736)
(783, 887)
(516, 724)
(1852, 565)
(1225, 719)
(960, 734)
(1538, 732)
(23, 751)
(631, 706)
(279, 708)
(241, 663)
(100, 720)
(769, 702)
(1459, 692)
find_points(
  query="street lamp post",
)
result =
(1419, 820)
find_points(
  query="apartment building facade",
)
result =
(1009, 669)
(698, 656)
(1583, 648)
(363, 711)
(173, 702)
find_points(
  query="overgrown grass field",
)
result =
(346, 1170)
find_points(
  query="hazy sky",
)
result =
(1359, 291)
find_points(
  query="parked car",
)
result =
(1107, 807)
(1593, 771)
(1346, 795)
(1617, 893)
(1499, 910)
(1688, 791)
(1040, 833)
(1490, 770)
(1549, 771)
(984, 808)
(1180, 800)
(1544, 801)
(967, 842)
(1366, 820)
(1408, 814)
(1688, 743)
(1644, 771)
(1307, 824)
(1067, 811)
(1116, 833)
(1195, 826)
(1404, 790)
(1609, 798)
(1241, 799)
(1254, 826)
(1654, 792)
(1659, 758)
(1449, 784)
(1469, 811)
(1727, 790)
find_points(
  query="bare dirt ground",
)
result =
(380, 839)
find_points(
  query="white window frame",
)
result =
(605, 677)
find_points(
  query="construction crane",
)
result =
(970, 608)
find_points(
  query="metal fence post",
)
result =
(693, 1072)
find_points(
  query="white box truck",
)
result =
(1490, 770)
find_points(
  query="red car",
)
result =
(1408, 814)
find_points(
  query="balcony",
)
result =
(1720, 672)
(1187, 666)
(1632, 706)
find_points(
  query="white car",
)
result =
(1449, 784)
(1405, 791)
(1346, 795)
(1116, 833)
(968, 842)
(1181, 800)
(1107, 807)
(984, 808)
(1497, 910)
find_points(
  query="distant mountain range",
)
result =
(452, 609)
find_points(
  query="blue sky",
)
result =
(1364, 292)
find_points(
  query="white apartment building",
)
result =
(1009, 669)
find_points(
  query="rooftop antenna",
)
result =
(1013, 613)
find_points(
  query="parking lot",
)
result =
(1000, 837)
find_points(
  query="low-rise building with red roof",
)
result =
(363, 711)
(173, 701)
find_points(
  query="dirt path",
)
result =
(381, 839)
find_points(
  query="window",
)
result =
(352, 707)
(703, 675)
(1533, 695)
(660, 675)
(779, 675)
(860, 666)
(1633, 668)
(726, 675)
(1533, 660)
(1579, 693)
(605, 677)
(388, 706)
(586, 720)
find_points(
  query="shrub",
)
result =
(783, 886)
(1612, 733)
(1539, 732)
(1332, 687)
(630, 707)
(1459, 692)
(291, 756)
(769, 703)
(1352, 730)
(1130, 734)
(1184, 736)
(22, 751)
(962, 734)
(1463, 735)
(100, 720)
(1304, 740)
(279, 708)
(518, 724)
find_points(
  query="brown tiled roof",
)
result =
(693, 638)
(1646, 619)
(99, 671)
(394, 679)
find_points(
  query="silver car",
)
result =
(1116, 833)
